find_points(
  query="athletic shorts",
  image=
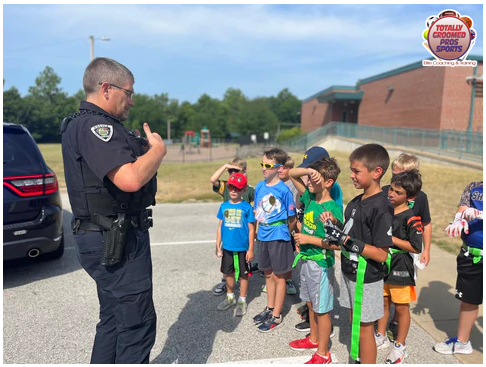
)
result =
(372, 305)
(400, 293)
(315, 287)
(277, 256)
(228, 263)
(469, 285)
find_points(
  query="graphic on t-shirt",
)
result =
(349, 224)
(309, 222)
(268, 205)
(233, 218)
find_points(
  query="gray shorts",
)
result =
(372, 305)
(277, 256)
(315, 287)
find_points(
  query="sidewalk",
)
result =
(437, 310)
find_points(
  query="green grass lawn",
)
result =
(190, 182)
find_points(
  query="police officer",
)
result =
(111, 180)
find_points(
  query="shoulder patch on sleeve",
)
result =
(103, 132)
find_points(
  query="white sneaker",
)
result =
(453, 346)
(397, 354)
(382, 341)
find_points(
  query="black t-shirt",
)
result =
(406, 226)
(370, 221)
(420, 206)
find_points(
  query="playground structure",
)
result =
(205, 138)
(195, 140)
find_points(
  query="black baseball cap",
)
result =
(312, 155)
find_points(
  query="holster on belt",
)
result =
(114, 236)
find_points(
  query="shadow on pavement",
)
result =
(196, 325)
(24, 271)
(443, 307)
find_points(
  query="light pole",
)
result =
(91, 38)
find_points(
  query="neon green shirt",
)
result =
(313, 226)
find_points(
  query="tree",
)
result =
(12, 106)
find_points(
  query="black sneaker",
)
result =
(302, 326)
(262, 316)
(303, 311)
(254, 268)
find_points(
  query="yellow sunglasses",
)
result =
(270, 165)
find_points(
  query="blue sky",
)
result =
(188, 50)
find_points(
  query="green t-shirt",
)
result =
(312, 225)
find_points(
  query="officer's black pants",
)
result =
(126, 331)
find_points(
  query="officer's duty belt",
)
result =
(142, 221)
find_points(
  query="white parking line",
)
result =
(166, 243)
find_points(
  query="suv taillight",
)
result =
(34, 185)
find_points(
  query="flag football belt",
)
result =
(316, 257)
(274, 224)
(236, 261)
(392, 251)
(476, 253)
(358, 299)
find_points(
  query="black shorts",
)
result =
(469, 285)
(277, 256)
(228, 264)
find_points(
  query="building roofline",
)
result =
(386, 74)
(403, 69)
(329, 89)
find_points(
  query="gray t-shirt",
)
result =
(293, 189)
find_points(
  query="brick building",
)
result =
(414, 96)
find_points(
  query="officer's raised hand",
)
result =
(155, 140)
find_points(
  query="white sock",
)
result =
(242, 299)
(230, 295)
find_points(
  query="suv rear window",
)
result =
(18, 148)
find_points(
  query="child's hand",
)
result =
(324, 217)
(301, 239)
(219, 252)
(314, 175)
(249, 256)
(471, 213)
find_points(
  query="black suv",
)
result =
(32, 208)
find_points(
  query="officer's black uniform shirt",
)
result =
(370, 221)
(420, 206)
(408, 227)
(80, 141)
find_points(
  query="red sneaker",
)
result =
(303, 344)
(318, 359)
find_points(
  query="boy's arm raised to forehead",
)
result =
(295, 176)
(217, 174)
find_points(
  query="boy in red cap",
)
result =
(234, 242)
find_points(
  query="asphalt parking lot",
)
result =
(51, 309)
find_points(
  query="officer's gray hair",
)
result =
(103, 69)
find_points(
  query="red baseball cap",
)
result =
(238, 180)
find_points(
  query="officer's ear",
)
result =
(104, 87)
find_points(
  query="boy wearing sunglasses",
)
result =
(275, 213)
(220, 187)
(234, 242)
